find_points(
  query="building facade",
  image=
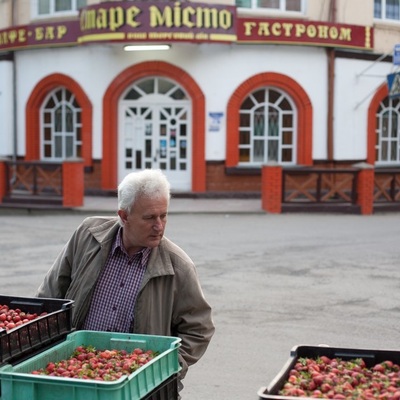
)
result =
(295, 83)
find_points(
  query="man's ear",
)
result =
(123, 215)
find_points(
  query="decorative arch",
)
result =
(304, 111)
(380, 95)
(110, 119)
(32, 115)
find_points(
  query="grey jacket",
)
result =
(170, 301)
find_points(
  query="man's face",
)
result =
(145, 225)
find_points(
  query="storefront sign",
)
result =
(43, 35)
(160, 21)
(257, 30)
(127, 21)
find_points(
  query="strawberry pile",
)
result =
(102, 365)
(11, 318)
(338, 379)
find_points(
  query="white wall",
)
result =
(217, 69)
(6, 109)
(356, 83)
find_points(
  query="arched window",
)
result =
(267, 130)
(61, 126)
(387, 144)
(155, 86)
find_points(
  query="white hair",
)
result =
(148, 183)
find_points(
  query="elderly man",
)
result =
(125, 276)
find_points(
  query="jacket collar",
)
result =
(159, 262)
(106, 231)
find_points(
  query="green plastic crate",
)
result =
(18, 384)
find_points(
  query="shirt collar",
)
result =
(145, 252)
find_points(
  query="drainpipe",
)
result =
(331, 87)
(14, 72)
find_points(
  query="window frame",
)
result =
(67, 101)
(383, 17)
(265, 137)
(387, 107)
(268, 11)
(52, 13)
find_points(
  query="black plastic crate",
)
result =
(370, 357)
(168, 390)
(26, 339)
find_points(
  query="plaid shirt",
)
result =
(115, 293)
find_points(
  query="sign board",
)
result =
(129, 22)
(312, 33)
(162, 21)
(215, 121)
(393, 81)
(396, 54)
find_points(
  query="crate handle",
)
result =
(354, 355)
(262, 391)
(175, 344)
(21, 303)
(67, 306)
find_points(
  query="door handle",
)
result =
(156, 156)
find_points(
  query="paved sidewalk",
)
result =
(93, 204)
(273, 280)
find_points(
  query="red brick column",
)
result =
(3, 179)
(365, 188)
(271, 188)
(73, 183)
